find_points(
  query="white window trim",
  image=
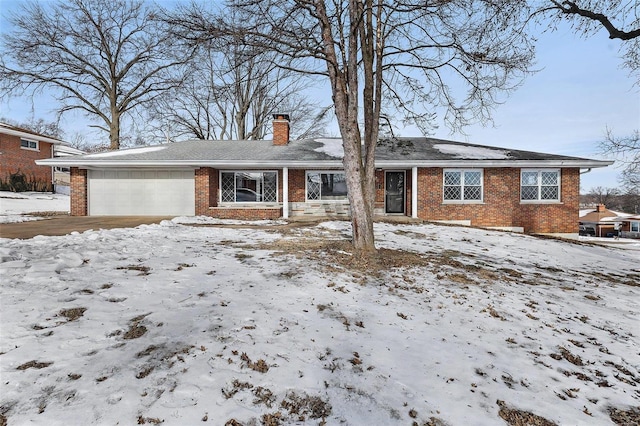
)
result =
(463, 201)
(539, 186)
(631, 223)
(37, 148)
(246, 203)
(306, 189)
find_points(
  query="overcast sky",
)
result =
(565, 108)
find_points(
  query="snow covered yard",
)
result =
(277, 324)
(24, 206)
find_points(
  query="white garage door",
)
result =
(141, 192)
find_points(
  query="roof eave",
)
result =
(33, 136)
(73, 162)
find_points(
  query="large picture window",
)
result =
(540, 185)
(326, 186)
(462, 185)
(249, 187)
(635, 226)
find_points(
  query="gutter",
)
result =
(88, 164)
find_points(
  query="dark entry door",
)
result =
(394, 192)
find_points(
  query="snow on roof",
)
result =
(473, 152)
(331, 147)
(117, 153)
(612, 215)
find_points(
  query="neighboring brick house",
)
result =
(19, 150)
(430, 179)
(601, 221)
(630, 227)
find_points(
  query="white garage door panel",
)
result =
(141, 192)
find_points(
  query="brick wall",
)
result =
(280, 130)
(502, 206)
(78, 200)
(297, 185)
(14, 159)
(203, 188)
(246, 213)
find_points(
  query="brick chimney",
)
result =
(280, 129)
(600, 208)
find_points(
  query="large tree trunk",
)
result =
(114, 131)
(344, 85)
(360, 187)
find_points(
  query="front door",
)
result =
(394, 192)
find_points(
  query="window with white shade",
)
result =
(540, 185)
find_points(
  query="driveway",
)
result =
(63, 225)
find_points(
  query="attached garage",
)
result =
(141, 192)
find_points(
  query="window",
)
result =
(249, 187)
(540, 185)
(635, 226)
(462, 185)
(326, 186)
(27, 144)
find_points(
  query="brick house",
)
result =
(630, 227)
(602, 221)
(19, 151)
(425, 178)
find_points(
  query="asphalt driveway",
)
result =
(63, 225)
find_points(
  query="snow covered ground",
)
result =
(15, 207)
(278, 324)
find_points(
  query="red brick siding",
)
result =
(202, 182)
(250, 213)
(380, 185)
(14, 158)
(78, 200)
(280, 132)
(501, 206)
(297, 185)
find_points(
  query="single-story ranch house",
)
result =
(424, 178)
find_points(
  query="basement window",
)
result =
(28, 144)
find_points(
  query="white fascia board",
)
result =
(579, 163)
(32, 136)
(75, 162)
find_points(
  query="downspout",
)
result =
(414, 192)
(285, 192)
(53, 171)
(586, 171)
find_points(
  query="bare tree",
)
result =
(40, 126)
(626, 150)
(619, 18)
(232, 93)
(103, 57)
(602, 195)
(401, 56)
